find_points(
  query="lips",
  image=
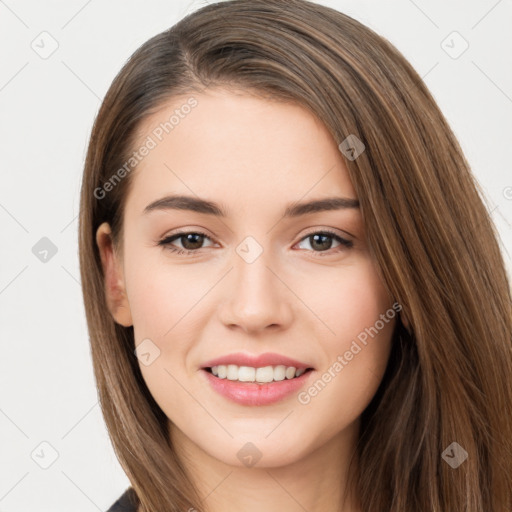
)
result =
(255, 394)
(257, 361)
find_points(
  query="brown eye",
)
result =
(191, 241)
(322, 241)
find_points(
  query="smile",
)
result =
(252, 392)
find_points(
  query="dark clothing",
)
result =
(126, 503)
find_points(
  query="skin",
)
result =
(255, 157)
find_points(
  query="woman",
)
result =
(295, 296)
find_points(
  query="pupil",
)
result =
(315, 238)
(187, 241)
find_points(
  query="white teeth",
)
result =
(290, 372)
(260, 375)
(232, 372)
(246, 374)
(280, 372)
(265, 374)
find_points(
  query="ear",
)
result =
(115, 290)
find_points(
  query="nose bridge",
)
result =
(257, 298)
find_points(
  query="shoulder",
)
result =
(128, 502)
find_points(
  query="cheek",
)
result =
(371, 320)
(164, 299)
(347, 301)
(358, 310)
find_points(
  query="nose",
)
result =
(258, 297)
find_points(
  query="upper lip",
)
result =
(256, 361)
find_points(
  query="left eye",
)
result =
(319, 239)
(194, 240)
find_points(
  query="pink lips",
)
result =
(252, 393)
(266, 359)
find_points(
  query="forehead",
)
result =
(233, 146)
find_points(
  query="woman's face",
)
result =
(263, 278)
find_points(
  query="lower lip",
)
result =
(250, 393)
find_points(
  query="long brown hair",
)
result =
(449, 374)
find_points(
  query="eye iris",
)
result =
(322, 246)
(186, 240)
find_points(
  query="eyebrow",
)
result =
(195, 204)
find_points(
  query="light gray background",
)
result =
(47, 391)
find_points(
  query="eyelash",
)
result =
(165, 242)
